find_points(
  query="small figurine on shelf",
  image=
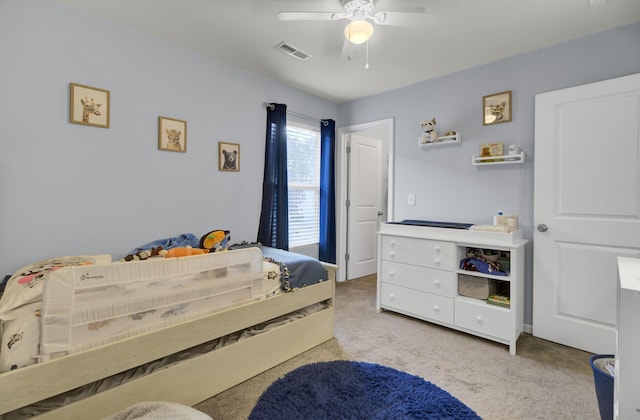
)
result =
(429, 135)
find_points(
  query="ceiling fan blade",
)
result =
(410, 17)
(287, 16)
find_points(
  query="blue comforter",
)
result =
(303, 270)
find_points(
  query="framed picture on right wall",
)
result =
(496, 108)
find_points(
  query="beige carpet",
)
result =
(543, 381)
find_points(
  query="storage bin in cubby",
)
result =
(475, 287)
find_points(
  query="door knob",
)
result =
(380, 213)
(542, 227)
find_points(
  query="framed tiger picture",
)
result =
(172, 135)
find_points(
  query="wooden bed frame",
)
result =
(190, 381)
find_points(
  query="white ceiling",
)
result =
(451, 35)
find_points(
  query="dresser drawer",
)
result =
(485, 319)
(415, 277)
(416, 303)
(424, 252)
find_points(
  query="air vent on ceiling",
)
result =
(293, 51)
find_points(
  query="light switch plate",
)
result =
(411, 200)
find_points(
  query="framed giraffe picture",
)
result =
(89, 106)
(172, 135)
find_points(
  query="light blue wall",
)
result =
(446, 185)
(67, 189)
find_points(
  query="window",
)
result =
(303, 171)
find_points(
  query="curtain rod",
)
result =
(272, 107)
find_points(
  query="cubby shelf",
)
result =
(455, 139)
(483, 275)
(497, 160)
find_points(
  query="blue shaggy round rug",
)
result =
(356, 390)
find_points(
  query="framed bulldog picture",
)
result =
(496, 108)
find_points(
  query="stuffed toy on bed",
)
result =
(184, 251)
(216, 240)
(145, 254)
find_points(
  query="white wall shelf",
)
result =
(455, 139)
(497, 160)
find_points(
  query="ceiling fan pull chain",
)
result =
(366, 65)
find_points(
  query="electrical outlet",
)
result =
(411, 200)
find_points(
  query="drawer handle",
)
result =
(392, 273)
(392, 254)
(437, 249)
(436, 308)
(479, 319)
(436, 261)
(392, 296)
(437, 283)
(392, 243)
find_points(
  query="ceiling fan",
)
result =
(360, 13)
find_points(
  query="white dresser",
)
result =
(419, 274)
(626, 388)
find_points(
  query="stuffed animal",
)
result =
(145, 254)
(429, 135)
(184, 251)
(216, 240)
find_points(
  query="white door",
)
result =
(365, 204)
(586, 208)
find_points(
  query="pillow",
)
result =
(26, 284)
(20, 341)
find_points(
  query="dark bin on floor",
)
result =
(604, 384)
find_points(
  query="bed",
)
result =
(249, 309)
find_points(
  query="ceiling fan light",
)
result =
(358, 31)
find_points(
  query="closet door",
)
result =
(586, 208)
(365, 209)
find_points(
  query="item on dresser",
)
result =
(494, 228)
(431, 223)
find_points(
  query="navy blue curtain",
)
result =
(274, 218)
(327, 250)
